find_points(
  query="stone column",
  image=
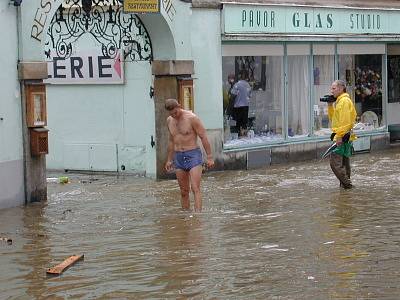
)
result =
(32, 73)
(166, 86)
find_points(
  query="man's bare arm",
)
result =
(202, 134)
(170, 149)
(170, 152)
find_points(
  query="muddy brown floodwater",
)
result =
(286, 232)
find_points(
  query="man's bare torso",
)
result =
(182, 131)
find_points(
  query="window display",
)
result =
(323, 78)
(393, 67)
(298, 96)
(363, 74)
(258, 106)
(264, 76)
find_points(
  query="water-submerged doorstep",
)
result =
(286, 232)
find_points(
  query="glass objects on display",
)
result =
(265, 77)
(363, 75)
(307, 81)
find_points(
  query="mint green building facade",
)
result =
(11, 146)
(110, 71)
(291, 53)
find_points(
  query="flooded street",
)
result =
(286, 232)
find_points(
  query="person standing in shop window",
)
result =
(342, 115)
(242, 92)
(229, 99)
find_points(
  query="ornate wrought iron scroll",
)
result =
(106, 22)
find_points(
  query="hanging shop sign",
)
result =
(86, 68)
(305, 20)
(141, 6)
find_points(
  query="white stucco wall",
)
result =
(206, 50)
(11, 149)
(114, 119)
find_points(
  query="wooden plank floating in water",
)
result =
(6, 239)
(57, 270)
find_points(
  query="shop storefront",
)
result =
(290, 56)
(110, 71)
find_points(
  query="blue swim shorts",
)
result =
(187, 160)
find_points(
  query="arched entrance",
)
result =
(98, 123)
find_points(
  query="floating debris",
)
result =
(61, 179)
(58, 269)
(6, 239)
(330, 242)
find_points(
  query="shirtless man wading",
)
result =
(184, 153)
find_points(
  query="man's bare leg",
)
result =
(195, 178)
(183, 180)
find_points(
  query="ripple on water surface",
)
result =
(286, 232)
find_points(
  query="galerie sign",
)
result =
(306, 20)
(86, 68)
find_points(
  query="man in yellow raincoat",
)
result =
(342, 115)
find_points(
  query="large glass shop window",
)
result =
(361, 67)
(298, 90)
(323, 76)
(253, 97)
(393, 69)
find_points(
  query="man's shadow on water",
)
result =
(181, 244)
(342, 203)
(345, 253)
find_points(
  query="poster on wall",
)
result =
(86, 68)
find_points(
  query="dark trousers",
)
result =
(241, 116)
(340, 166)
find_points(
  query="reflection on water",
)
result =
(287, 232)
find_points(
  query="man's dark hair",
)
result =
(170, 104)
(244, 74)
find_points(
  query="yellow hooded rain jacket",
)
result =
(342, 116)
